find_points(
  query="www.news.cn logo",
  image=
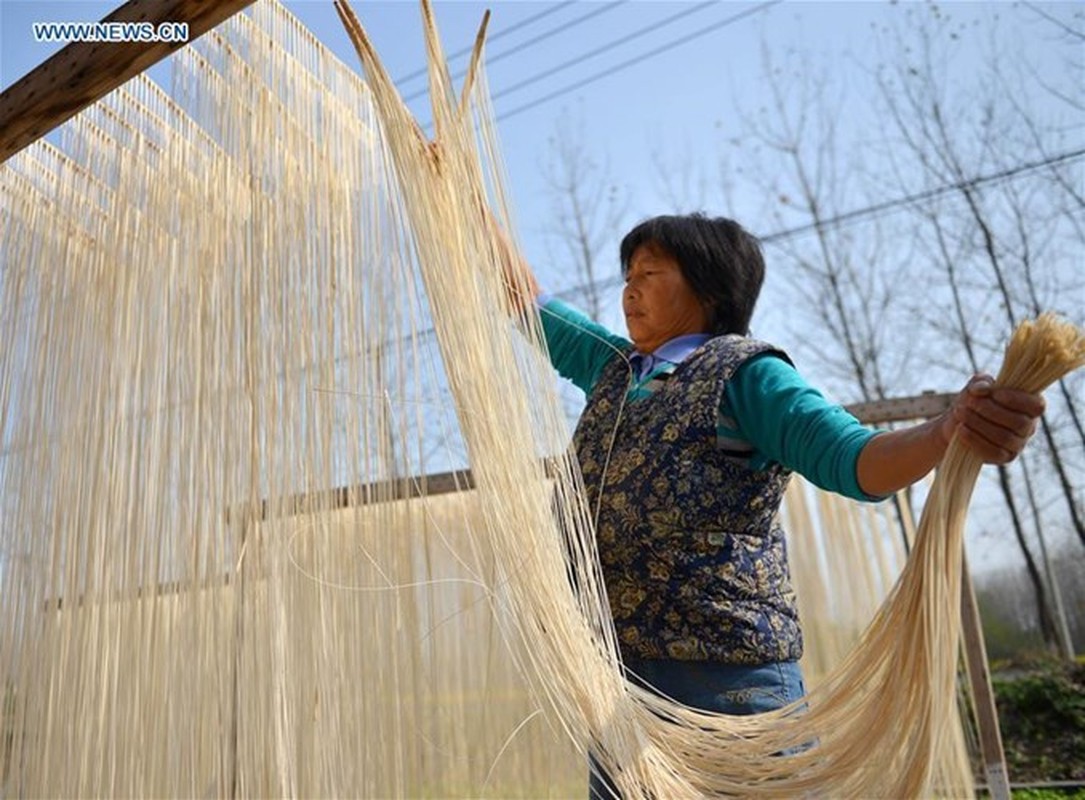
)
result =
(110, 32)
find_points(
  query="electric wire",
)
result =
(595, 12)
(598, 51)
(640, 58)
(494, 37)
(854, 215)
(881, 208)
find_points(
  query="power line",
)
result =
(595, 12)
(597, 51)
(877, 209)
(846, 217)
(639, 58)
(929, 194)
(494, 37)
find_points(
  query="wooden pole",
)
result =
(84, 72)
(983, 695)
(899, 409)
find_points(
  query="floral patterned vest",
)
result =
(693, 556)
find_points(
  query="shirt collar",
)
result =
(677, 350)
(674, 350)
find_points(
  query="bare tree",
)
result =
(1066, 202)
(681, 180)
(963, 329)
(1070, 36)
(587, 207)
(989, 228)
(844, 284)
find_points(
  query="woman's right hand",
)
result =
(521, 286)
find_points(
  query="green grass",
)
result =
(1041, 710)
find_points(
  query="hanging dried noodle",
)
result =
(879, 720)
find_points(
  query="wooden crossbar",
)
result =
(900, 409)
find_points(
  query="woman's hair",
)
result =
(719, 259)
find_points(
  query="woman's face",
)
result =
(658, 302)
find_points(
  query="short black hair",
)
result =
(720, 260)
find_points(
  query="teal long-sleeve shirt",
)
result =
(767, 404)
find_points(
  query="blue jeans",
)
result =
(710, 686)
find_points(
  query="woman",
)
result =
(690, 432)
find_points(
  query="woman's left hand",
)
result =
(994, 422)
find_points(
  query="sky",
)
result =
(642, 82)
(646, 80)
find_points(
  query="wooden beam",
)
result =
(928, 404)
(406, 488)
(900, 409)
(84, 72)
(983, 693)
